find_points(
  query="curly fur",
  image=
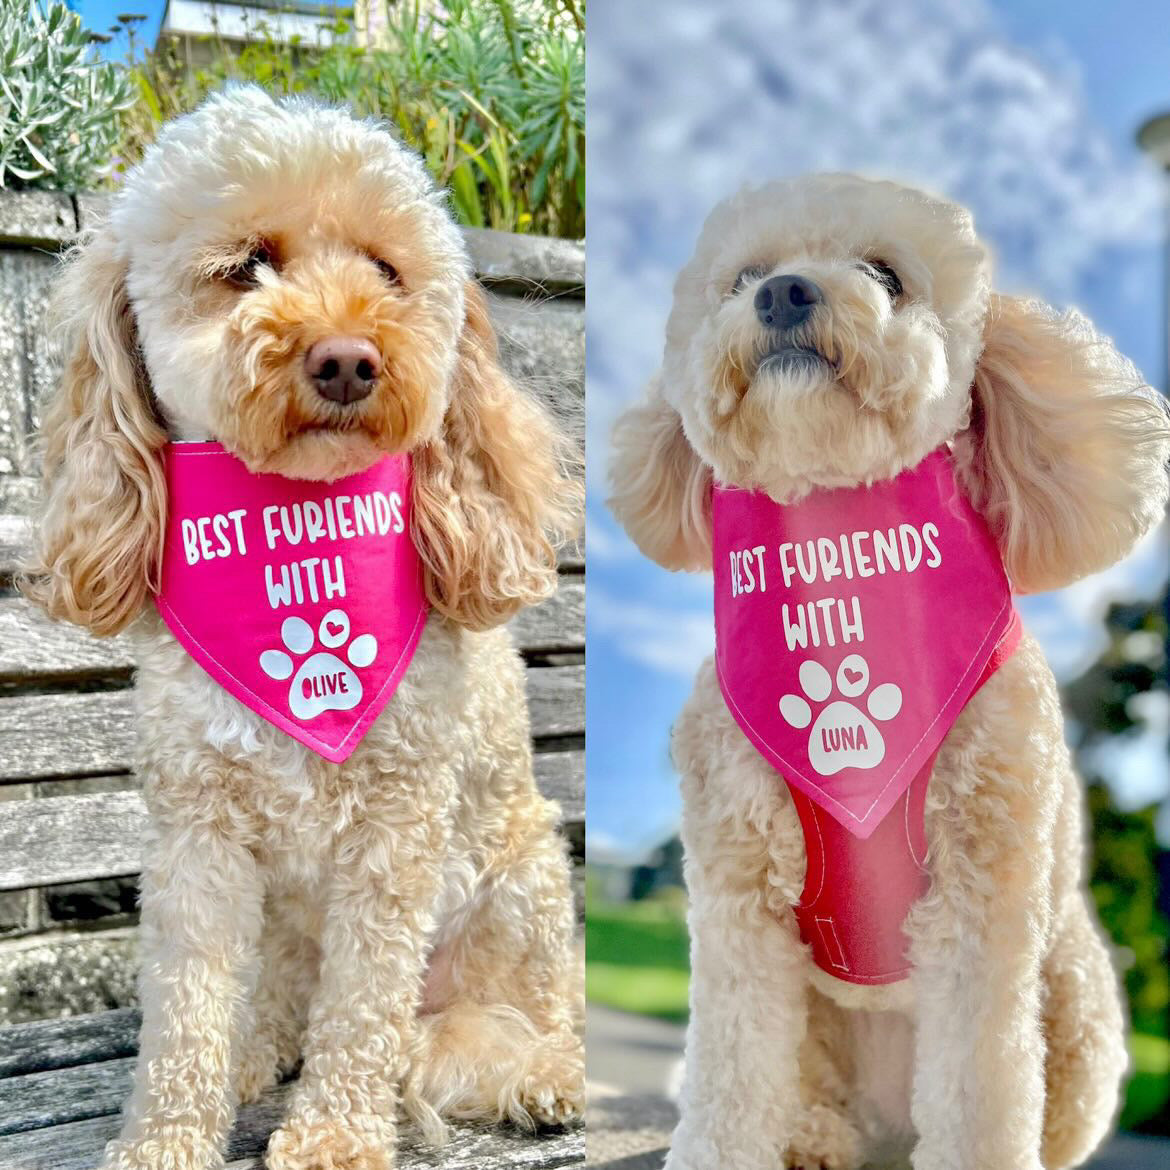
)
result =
(662, 492)
(493, 499)
(1066, 452)
(1005, 1047)
(101, 531)
(402, 923)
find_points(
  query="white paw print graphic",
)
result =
(323, 681)
(843, 735)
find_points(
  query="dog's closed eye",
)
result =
(245, 272)
(747, 275)
(388, 271)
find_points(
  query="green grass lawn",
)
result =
(637, 961)
(637, 957)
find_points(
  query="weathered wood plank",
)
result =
(542, 345)
(556, 700)
(70, 839)
(77, 1145)
(43, 736)
(561, 777)
(57, 839)
(38, 1100)
(29, 357)
(75, 1040)
(571, 558)
(47, 219)
(53, 735)
(530, 261)
(15, 535)
(555, 624)
(34, 648)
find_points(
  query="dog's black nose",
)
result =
(783, 302)
(343, 369)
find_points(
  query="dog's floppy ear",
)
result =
(661, 489)
(495, 494)
(1066, 452)
(98, 550)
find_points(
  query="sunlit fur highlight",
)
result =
(1005, 1047)
(661, 491)
(1066, 454)
(402, 924)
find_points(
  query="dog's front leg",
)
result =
(978, 1099)
(977, 941)
(749, 1008)
(740, 1095)
(378, 920)
(201, 917)
(749, 997)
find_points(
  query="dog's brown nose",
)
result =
(343, 369)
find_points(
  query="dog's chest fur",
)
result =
(203, 753)
(882, 1046)
(998, 777)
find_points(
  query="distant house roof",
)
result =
(240, 20)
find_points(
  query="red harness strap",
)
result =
(858, 892)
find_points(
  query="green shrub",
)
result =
(490, 92)
(60, 106)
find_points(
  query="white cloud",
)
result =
(1068, 623)
(670, 640)
(689, 100)
(604, 540)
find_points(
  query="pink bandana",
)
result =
(851, 628)
(302, 599)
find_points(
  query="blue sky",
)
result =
(99, 15)
(1023, 110)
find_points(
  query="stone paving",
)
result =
(629, 1120)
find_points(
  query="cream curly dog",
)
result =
(401, 922)
(1005, 1047)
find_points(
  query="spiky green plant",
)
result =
(490, 92)
(60, 107)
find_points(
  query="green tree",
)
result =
(1112, 701)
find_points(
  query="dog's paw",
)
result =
(824, 1140)
(169, 1147)
(556, 1099)
(352, 1143)
(553, 1103)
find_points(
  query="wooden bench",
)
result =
(71, 815)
